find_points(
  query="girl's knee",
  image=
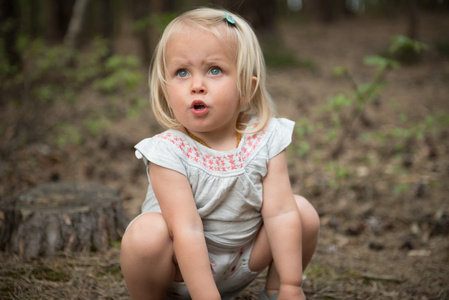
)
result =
(310, 228)
(308, 213)
(148, 236)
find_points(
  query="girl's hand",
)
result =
(290, 292)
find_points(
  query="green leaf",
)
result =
(340, 71)
(380, 62)
(401, 43)
(403, 117)
(95, 125)
(339, 102)
(68, 134)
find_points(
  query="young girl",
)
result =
(219, 207)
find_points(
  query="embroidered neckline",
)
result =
(227, 161)
(238, 135)
(239, 138)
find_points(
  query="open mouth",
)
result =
(199, 108)
(198, 105)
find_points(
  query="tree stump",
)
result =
(62, 217)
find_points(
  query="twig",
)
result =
(372, 276)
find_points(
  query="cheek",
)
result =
(173, 106)
(231, 89)
(234, 93)
(173, 96)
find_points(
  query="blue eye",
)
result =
(182, 73)
(215, 71)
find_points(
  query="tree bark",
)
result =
(107, 24)
(413, 20)
(54, 27)
(260, 13)
(141, 10)
(62, 217)
(76, 22)
(9, 24)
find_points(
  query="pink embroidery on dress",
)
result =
(221, 163)
(213, 264)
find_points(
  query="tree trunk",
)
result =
(107, 23)
(326, 10)
(53, 29)
(260, 13)
(9, 24)
(413, 20)
(62, 217)
(76, 22)
(141, 10)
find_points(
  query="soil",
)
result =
(384, 203)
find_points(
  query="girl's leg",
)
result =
(147, 257)
(261, 255)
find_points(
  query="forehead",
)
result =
(219, 33)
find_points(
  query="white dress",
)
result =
(226, 185)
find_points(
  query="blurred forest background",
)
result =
(367, 82)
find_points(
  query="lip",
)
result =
(199, 108)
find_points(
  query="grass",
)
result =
(65, 276)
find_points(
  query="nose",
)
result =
(198, 86)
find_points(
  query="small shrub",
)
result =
(405, 49)
(278, 55)
(46, 93)
(442, 46)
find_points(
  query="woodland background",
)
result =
(366, 81)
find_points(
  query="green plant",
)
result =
(405, 49)
(122, 73)
(95, 124)
(340, 173)
(339, 120)
(46, 93)
(401, 188)
(158, 21)
(303, 128)
(278, 55)
(346, 109)
(122, 77)
(442, 46)
(349, 107)
(67, 134)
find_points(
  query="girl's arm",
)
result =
(175, 198)
(283, 227)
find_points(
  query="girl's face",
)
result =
(202, 82)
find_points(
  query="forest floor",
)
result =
(384, 203)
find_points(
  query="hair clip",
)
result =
(230, 19)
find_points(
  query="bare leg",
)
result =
(147, 257)
(261, 255)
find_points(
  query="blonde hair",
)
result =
(255, 100)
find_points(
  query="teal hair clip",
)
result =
(230, 19)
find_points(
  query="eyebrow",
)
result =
(213, 59)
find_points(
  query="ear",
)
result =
(247, 100)
(254, 86)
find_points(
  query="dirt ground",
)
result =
(384, 212)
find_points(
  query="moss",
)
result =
(42, 272)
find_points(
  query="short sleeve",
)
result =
(159, 152)
(281, 131)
